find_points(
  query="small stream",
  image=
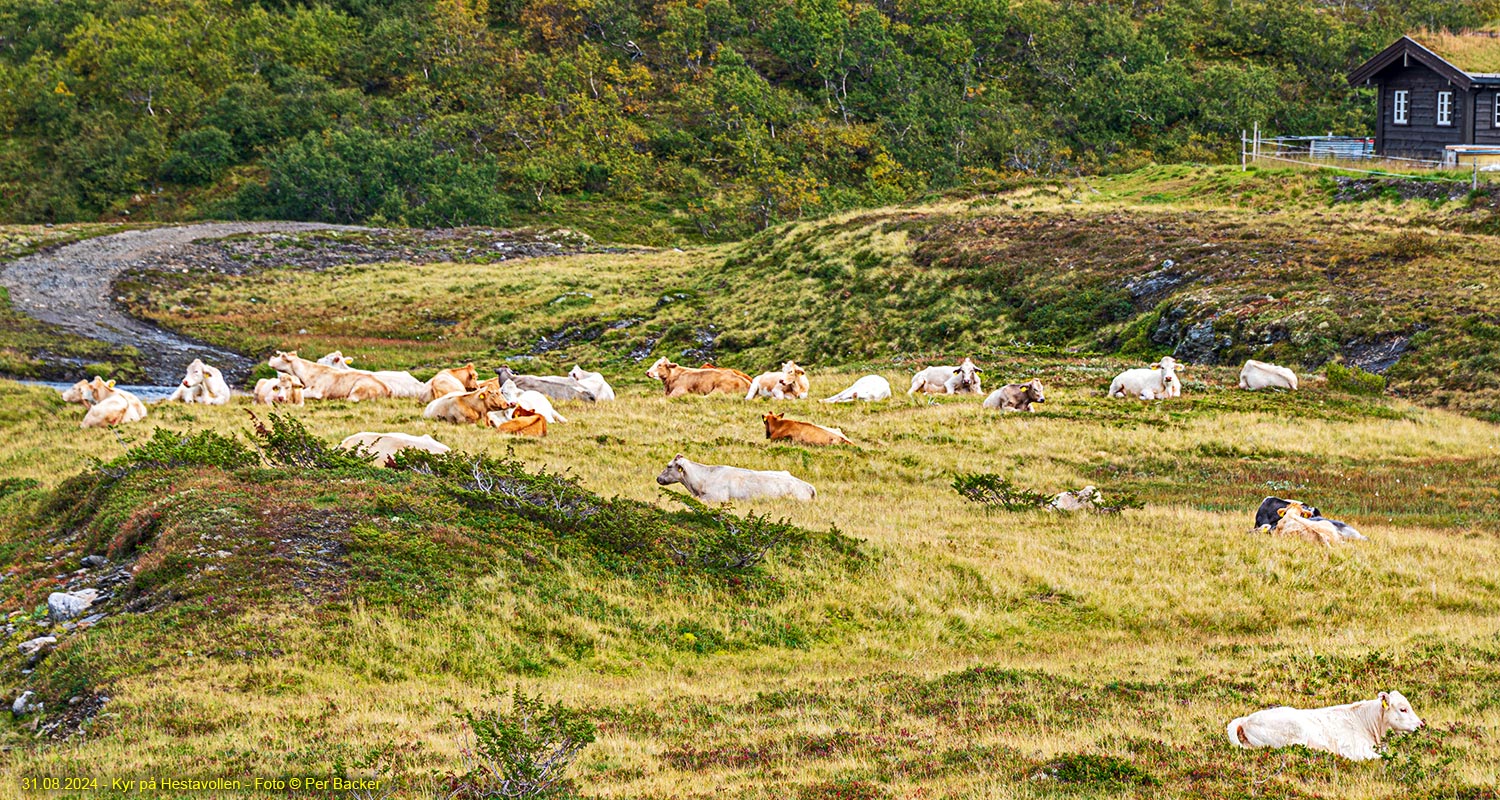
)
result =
(148, 394)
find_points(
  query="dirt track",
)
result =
(70, 287)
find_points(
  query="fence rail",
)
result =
(1346, 154)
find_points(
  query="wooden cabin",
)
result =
(1434, 90)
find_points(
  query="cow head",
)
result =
(968, 374)
(282, 361)
(661, 369)
(577, 373)
(673, 473)
(505, 374)
(101, 388)
(1034, 391)
(194, 375)
(78, 393)
(1293, 509)
(466, 375)
(1396, 713)
(337, 359)
(492, 398)
(769, 418)
(791, 370)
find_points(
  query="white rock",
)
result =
(22, 704)
(29, 647)
(63, 606)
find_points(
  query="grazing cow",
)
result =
(284, 389)
(401, 383)
(789, 382)
(451, 381)
(1295, 521)
(528, 398)
(322, 382)
(679, 381)
(962, 379)
(1260, 375)
(109, 406)
(592, 381)
(520, 421)
(1016, 396)
(556, 387)
(1353, 730)
(868, 388)
(779, 427)
(1086, 499)
(467, 408)
(719, 484)
(201, 384)
(78, 393)
(1156, 382)
(382, 447)
(1268, 515)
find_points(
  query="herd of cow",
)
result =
(522, 404)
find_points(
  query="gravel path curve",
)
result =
(70, 287)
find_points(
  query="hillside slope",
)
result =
(1211, 265)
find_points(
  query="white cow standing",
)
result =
(201, 384)
(962, 379)
(1354, 730)
(718, 484)
(1261, 375)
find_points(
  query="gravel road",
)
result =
(70, 287)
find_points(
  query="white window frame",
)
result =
(1445, 109)
(1495, 107)
(1401, 107)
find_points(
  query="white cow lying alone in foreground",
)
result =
(717, 484)
(1353, 731)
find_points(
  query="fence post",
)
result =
(1243, 159)
(1256, 151)
(1475, 186)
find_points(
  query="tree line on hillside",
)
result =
(732, 114)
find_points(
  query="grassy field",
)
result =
(955, 653)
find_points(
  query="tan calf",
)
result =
(284, 389)
(466, 408)
(679, 380)
(523, 422)
(328, 383)
(110, 406)
(1294, 522)
(451, 381)
(778, 427)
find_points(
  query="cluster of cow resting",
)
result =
(522, 404)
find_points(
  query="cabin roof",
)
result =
(1468, 59)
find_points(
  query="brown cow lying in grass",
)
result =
(678, 380)
(451, 381)
(778, 427)
(466, 408)
(323, 382)
(522, 421)
(1295, 522)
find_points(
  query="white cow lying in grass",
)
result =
(1353, 731)
(531, 399)
(593, 381)
(401, 384)
(109, 406)
(201, 384)
(1157, 382)
(868, 388)
(381, 446)
(1260, 375)
(718, 484)
(962, 379)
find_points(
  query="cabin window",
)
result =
(1400, 104)
(1495, 106)
(1445, 108)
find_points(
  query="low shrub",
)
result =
(520, 753)
(994, 491)
(1354, 380)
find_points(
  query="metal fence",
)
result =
(1346, 153)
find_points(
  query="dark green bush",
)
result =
(1354, 380)
(167, 449)
(732, 543)
(1103, 772)
(287, 443)
(199, 157)
(995, 491)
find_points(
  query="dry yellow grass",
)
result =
(1135, 624)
